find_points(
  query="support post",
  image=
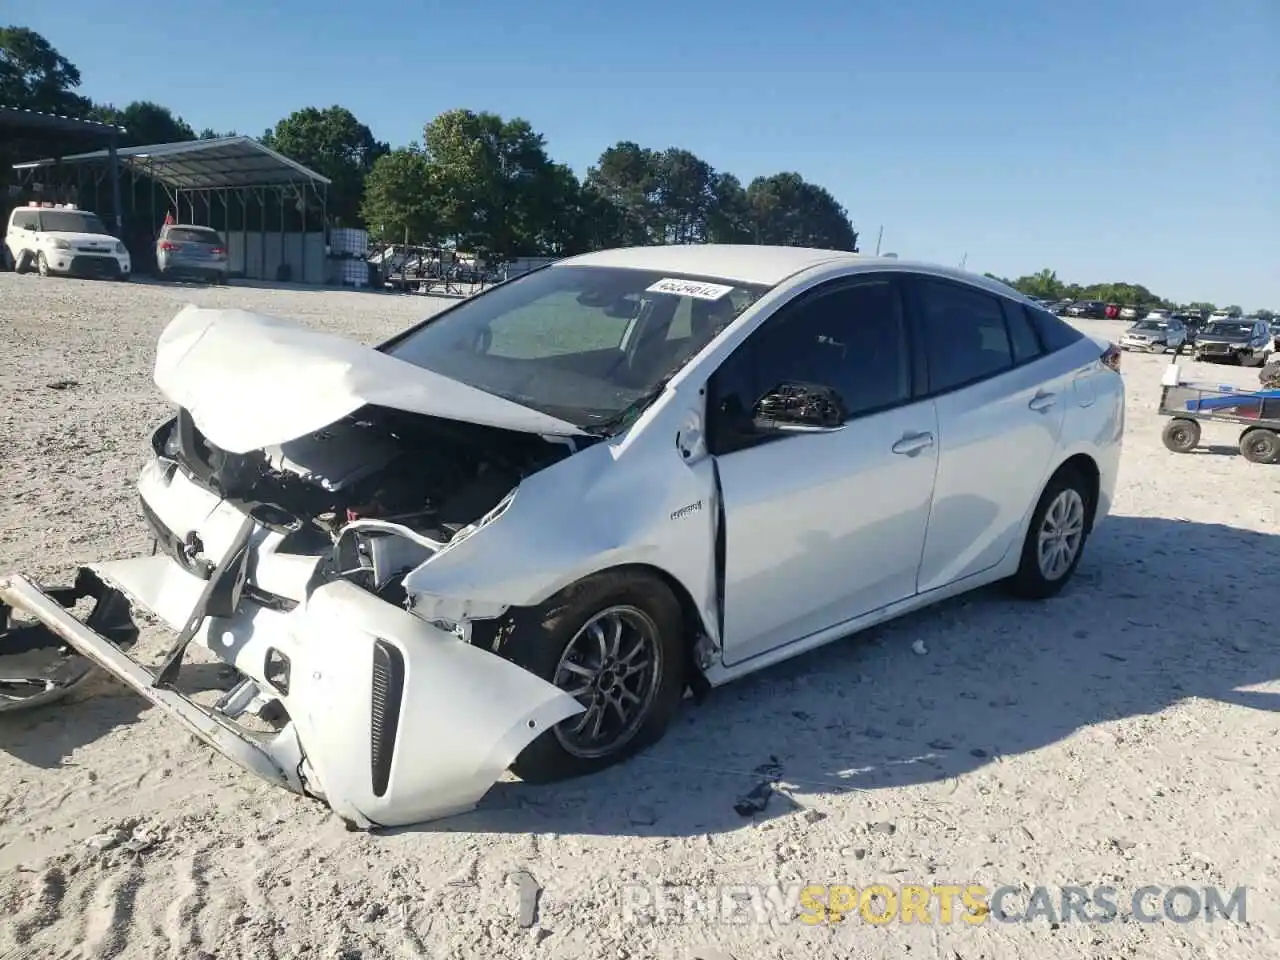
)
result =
(113, 160)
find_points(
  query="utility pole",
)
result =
(879, 237)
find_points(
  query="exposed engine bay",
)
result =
(375, 494)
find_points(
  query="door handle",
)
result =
(913, 443)
(1042, 401)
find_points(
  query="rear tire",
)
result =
(1260, 445)
(1181, 435)
(1055, 538)
(559, 645)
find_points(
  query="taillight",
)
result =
(170, 246)
(1111, 357)
(219, 252)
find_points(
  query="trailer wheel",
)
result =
(1181, 435)
(1260, 445)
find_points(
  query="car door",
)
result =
(825, 459)
(1001, 401)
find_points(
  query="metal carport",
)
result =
(230, 170)
(32, 121)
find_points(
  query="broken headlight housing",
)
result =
(165, 440)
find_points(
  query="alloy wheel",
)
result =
(613, 667)
(1061, 534)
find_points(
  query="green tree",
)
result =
(35, 76)
(334, 143)
(499, 193)
(729, 220)
(400, 198)
(789, 211)
(1264, 314)
(626, 177)
(1235, 310)
(685, 196)
(208, 133)
(145, 123)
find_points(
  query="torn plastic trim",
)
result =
(110, 615)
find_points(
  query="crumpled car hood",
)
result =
(250, 381)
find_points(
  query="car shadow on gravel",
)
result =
(1160, 611)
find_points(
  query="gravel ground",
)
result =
(1125, 733)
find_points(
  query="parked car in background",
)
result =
(65, 240)
(1274, 328)
(1112, 311)
(1130, 313)
(1247, 342)
(1060, 307)
(1193, 322)
(1091, 309)
(1156, 333)
(1219, 315)
(518, 532)
(187, 251)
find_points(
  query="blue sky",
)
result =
(1133, 140)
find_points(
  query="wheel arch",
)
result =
(491, 633)
(1085, 467)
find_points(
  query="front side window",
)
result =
(586, 344)
(965, 338)
(843, 349)
(70, 221)
(23, 219)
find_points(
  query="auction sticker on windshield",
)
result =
(690, 288)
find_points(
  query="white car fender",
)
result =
(630, 500)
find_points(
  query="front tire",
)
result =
(1055, 537)
(615, 641)
(1181, 435)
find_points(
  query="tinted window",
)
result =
(852, 340)
(1022, 335)
(70, 221)
(192, 235)
(1055, 334)
(23, 218)
(964, 334)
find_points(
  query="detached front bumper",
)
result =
(386, 718)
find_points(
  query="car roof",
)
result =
(764, 265)
(743, 263)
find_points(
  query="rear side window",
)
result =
(1022, 334)
(1055, 334)
(964, 332)
(23, 219)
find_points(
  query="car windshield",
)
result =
(1224, 329)
(589, 345)
(70, 221)
(1151, 324)
(192, 235)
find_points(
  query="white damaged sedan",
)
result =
(517, 534)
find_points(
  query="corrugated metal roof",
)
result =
(34, 119)
(224, 162)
